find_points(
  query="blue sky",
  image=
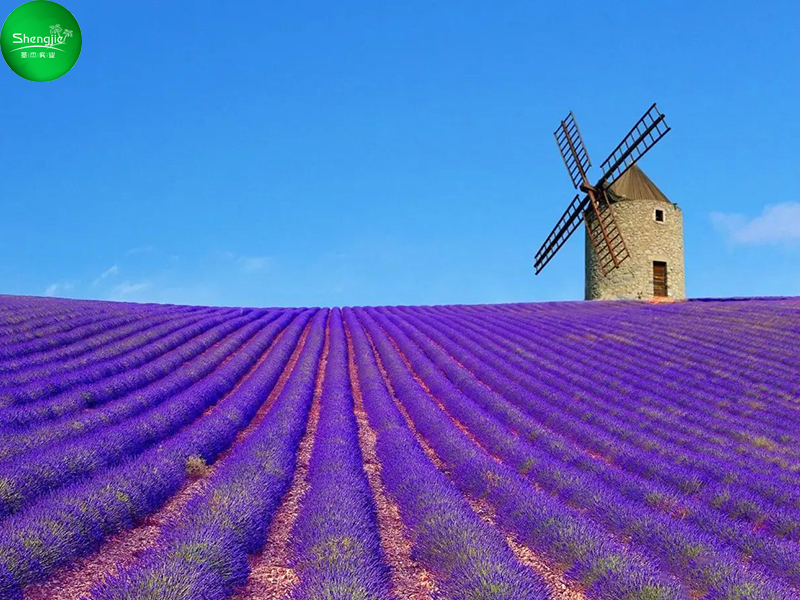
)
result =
(324, 153)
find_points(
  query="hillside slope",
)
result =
(560, 450)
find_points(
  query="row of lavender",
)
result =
(110, 479)
(128, 394)
(115, 432)
(34, 547)
(628, 412)
(672, 438)
(662, 524)
(573, 521)
(337, 549)
(629, 478)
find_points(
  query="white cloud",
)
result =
(126, 289)
(251, 264)
(140, 250)
(247, 264)
(110, 272)
(778, 223)
(55, 289)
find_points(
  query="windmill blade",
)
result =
(573, 150)
(604, 234)
(642, 136)
(565, 227)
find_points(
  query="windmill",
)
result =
(595, 207)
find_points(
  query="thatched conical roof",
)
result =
(635, 185)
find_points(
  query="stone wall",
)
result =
(647, 241)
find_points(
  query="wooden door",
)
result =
(659, 278)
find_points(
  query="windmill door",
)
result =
(659, 278)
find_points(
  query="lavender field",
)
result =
(621, 450)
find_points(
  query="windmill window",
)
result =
(659, 216)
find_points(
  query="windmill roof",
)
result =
(635, 185)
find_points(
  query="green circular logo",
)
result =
(41, 40)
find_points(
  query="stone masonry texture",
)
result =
(647, 241)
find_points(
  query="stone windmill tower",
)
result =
(652, 228)
(634, 234)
